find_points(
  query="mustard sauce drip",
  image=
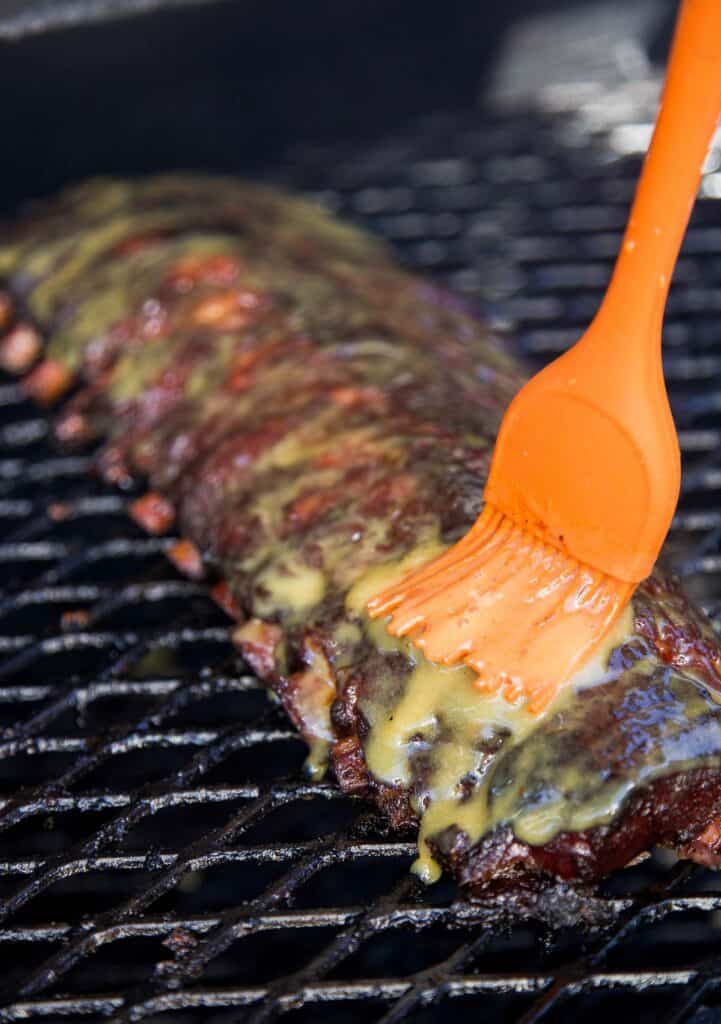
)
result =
(442, 712)
(294, 586)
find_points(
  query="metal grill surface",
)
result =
(162, 857)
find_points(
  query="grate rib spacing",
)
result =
(163, 857)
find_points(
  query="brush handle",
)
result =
(690, 105)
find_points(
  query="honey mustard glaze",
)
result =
(439, 736)
(469, 762)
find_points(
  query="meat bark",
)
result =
(316, 420)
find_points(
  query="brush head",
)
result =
(587, 458)
(525, 616)
(582, 488)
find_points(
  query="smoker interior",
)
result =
(163, 857)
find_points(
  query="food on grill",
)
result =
(314, 421)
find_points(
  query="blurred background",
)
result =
(131, 85)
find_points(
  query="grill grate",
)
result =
(161, 856)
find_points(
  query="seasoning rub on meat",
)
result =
(316, 421)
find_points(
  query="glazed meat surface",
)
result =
(316, 421)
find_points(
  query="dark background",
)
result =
(230, 84)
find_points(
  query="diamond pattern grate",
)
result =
(162, 857)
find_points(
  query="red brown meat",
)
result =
(315, 419)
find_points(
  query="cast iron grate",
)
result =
(162, 857)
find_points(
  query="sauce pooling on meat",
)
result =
(441, 714)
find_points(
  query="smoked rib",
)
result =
(315, 420)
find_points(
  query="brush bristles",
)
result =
(522, 614)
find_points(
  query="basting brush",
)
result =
(585, 474)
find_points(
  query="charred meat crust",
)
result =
(663, 813)
(306, 411)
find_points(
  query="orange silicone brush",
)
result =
(585, 474)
